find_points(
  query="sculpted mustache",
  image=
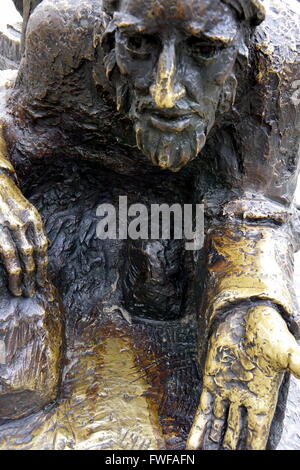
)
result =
(182, 106)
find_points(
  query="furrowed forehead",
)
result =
(195, 17)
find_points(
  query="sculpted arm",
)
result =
(250, 310)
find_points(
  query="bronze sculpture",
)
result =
(210, 89)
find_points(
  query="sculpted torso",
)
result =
(165, 102)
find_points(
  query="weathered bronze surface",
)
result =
(110, 344)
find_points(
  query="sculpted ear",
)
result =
(227, 97)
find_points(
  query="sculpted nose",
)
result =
(166, 90)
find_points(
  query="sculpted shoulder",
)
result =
(59, 38)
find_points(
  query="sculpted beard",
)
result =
(163, 145)
(169, 149)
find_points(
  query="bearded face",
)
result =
(172, 68)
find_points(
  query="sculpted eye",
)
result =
(203, 49)
(136, 43)
(139, 44)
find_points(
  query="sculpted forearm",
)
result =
(250, 263)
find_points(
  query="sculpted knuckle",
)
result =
(30, 269)
(26, 250)
(12, 225)
(14, 271)
(19, 226)
(8, 253)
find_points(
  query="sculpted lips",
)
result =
(171, 122)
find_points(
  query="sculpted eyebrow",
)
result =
(128, 22)
(197, 30)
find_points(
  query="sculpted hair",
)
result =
(252, 11)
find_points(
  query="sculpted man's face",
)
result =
(174, 60)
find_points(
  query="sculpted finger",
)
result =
(233, 431)
(258, 429)
(218, 423)
(201, 421)
(11, 263)
(25, 250)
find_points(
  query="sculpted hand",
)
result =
(247, 356)
(23, 244)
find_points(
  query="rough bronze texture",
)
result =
(142, 344)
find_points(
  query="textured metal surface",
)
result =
(104, 404)
(247, 170)
(124, 387)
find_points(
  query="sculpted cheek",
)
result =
(191, 77)
(193, 82)
(223, 68)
